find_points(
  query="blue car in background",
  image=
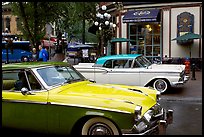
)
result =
(21, 51)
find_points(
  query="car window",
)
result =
(51, 76)
(14, 80)
(128, 64)
(144, 62)
(9, 79)
(121, 63)
(136, 64)
(56, 75)
(108, 64)
(34, 84)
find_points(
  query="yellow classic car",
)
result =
(54, 98)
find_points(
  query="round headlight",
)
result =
(158, 95)
(138, 112)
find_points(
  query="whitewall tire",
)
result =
(99, 126)
(160, 85)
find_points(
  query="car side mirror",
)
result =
(25, 91)
(91, 80)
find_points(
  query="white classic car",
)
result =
(134, 69)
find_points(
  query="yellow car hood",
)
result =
(104, 96)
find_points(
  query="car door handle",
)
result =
(105, 71)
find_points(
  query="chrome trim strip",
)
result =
(23, 101)
(64, 104)
(160, 114)
(143, 133)
(178, 83)
(92, 107)
(118, 70)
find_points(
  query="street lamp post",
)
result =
(104, 24)
(119, 7)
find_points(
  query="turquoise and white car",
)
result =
(134, 69)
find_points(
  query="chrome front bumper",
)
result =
(185, 79)
(158, 129)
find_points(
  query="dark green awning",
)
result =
(121, 40)
(188, 36)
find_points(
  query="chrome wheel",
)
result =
(99, 126)
(23, 59)
(160, 85)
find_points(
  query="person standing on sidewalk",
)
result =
(43, 54)
(34, 54)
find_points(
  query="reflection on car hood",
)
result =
(114, 97)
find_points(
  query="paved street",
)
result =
(192, 90)
(187, 118)
(186, 102)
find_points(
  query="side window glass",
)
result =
(22, 81)
(115, 64)
(108, 64)
(121, 63)
(8, 80)
(14, 80)
(136, 65)
(34, 84)
(128, 64)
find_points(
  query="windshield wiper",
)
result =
(71, 80)
(76, 79)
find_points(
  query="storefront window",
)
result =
(140, 49)
(147, 39)
(8, 23)
(133, 29)
(148, 50)
(156, 39)
(18, 24)
(140, 40)
(2, 24)
(156, 50)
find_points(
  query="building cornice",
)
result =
(172, 4)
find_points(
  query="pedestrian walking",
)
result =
(34, 55)
(47, 53)
(43, 54)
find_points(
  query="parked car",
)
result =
(134, 69)
(54, 98)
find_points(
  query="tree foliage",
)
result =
(68, 17)
(34, 16)
(73, 16)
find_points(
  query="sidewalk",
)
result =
(58, 57)
(192, 90)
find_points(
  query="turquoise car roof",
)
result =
(102, 60)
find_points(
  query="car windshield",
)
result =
(57, 75)
(143, 61)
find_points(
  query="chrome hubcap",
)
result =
(160, 85)
(100, 129)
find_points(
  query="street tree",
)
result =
(77, 18)
(34, 16)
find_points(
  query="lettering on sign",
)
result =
(141, 13)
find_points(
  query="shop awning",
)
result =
(188, 36)
(151, 15)
(120, 40)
